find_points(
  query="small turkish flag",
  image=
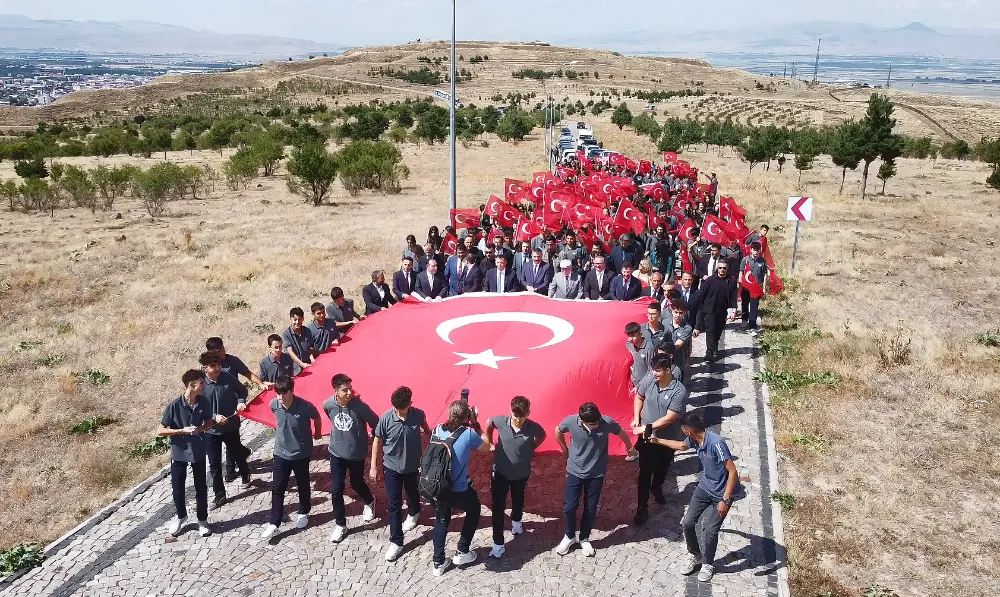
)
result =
(714, 230)
(495, 237)
(751, 283)
(669, 156)
(515, 190)
(736, 229)
(686, 259)
(686, 232)
(505, 215)
(526, 229)
(654, 219)
(629, 217)
(775, 285)
(729, 209)
(449, 244)
(465, 218)
(653, 189)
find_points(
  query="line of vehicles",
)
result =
(570, 144)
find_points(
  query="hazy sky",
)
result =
(357, 22)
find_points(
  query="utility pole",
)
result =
(784, 72)
(793, 70)
(888, 80)
(816, 69)
(451, 178)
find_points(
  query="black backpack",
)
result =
(435, 466)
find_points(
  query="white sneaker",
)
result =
(464, 558)
(410, 523)
(302, 522)
(269, 531)
(707, 571)
(203, 529)
(587, 548)
(175, 526)
(338, 533)
(393, 552)
(369, 513)
(516, 528)
(497, 551)
(691, 564)
(564, 545)
(439, 570)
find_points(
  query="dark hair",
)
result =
(755, 246)
(209, 358)
(490, 246)
(410, 238)
(589, 413)
(632, 328)
(316, 307)
(679, 306)
(765, 227)
(401, 397)
(408, 258)
(693, 420)
(296, 312)
(470, 258)
(336, 292)
(502, 256)
(520, 406)
(284, 384)
(536, 252)
(192, 375)
(550, 238)
(655, 306)
(376, 274)
(458, 415)
(214, 343)
(661, 362)
(272, 338)
(569, 233)
(340, 380)
(715, 246)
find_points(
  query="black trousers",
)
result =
(396, 485)
(714, 324)
(283, 469)
(339, 470)
(500, 486)
(654, 461)
(234, 448)
(178, 477)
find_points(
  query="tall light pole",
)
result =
(550, 119)
(451, 176)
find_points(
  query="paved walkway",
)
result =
(126, 550)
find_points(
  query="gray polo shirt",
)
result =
(270, 370)
(293, 431)
(588, 450)
(682, 332)
(657, 338)
(301, 343)
(757, 266)
(178, 415)
(641, 357)
(223, 395)
(345, 313)
(512, 458)
(713, 454)
(658, 401)
(402, 448)
(325, 335)
(349, 433)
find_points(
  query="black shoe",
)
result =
(658, 497)
(218, 502)
(710, 357)
(641, 516)
(230, 477)
(246, 480)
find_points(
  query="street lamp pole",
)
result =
(451, 177)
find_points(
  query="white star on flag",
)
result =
(483, 358)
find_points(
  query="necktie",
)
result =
(500, 281)
(626, 284)
(535, 278)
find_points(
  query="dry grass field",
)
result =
(892, 469)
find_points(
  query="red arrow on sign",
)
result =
(798, 204)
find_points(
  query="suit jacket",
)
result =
(620, 256)
(401, 286)
(701, 269)
(519, 260)
(453, 273)
(561, 287)
(373, 302)
(717, 296)
(438, 290)
(541, 282)
(591, 290)
(472, 281)
(648, 291)
(422, 262)
(510, 282)
(618, 291)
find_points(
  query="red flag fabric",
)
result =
(645, 166)
(714, 230)
(496, 237)
(616, 159)
(686, 232)
(449, 244)
(503, 214)
(465, 218)
(526, 229)
(774, 285)
(765, 252)
(495, 345)
(670, 157)
(653, 189)
(686, 259)
(737, 230)
(654, 219)
(515, 190)
(628, 217)
(751, 283)
(631, 165)
(729, 209)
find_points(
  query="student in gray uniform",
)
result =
(227, 398)
(659, 402)
(679, 334)
(184, 421)
(324, 330)
(712, 498)
(294, 418)
(234, 366)
(341, 310)
(276, 363)
(517, 439)
(398, 431)
(350, 418)
(586, 465)
(298, 340)
(641, 349)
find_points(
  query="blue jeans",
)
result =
(178, 476)
(466, 501)
(339, 468)
(395, 485)
(702, 514)
(282, 470)
(590, 489)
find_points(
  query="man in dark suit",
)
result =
(626, 252)
(453, 271)
(522, 257)
(431, 284)
(625, 287)
(706, 266)
(431, 255)
(470, 277)
(718, 303)
(536, 275)
(691, 298)
(655, 288)
(376, 294)
(597, 284)
(405, 280)
(501, 279)
(488, 260)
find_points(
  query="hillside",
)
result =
(740, 95)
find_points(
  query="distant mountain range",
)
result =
(915, 39)
(143, 37)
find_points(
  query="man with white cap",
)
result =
(565, 283)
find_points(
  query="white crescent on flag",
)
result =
(461, 219)
(560, 328)
(607, 188)
(713, 229)
(537, 192)
(554, 203)
(625, 214)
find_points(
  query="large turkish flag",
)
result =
(557, 353)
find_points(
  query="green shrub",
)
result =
(94, 376)
(20, 557)
(91, 425)
(157, 445)
(785, 500)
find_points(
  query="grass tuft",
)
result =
(20, 557)
(94, 377)
(91, 425)
(236, 304)
(785, 500)
(816, 442)
(263, 328)
(990, 339)
(157, 445)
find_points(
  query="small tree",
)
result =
(240, 169)
(268, 151)
(514, 126)
(34, 168)
(374, 165)
(886, 171)
(76, 182)
(37, 194)
(154, 186)
(9, 191)
(876, 138)
(312, 169)
(622, 116)
(844, 150)
(988, 150)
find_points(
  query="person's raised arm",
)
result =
(488, 434)
(677, 446)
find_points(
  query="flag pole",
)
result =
(451, 177)
(795, 247)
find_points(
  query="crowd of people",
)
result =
(696, 284)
